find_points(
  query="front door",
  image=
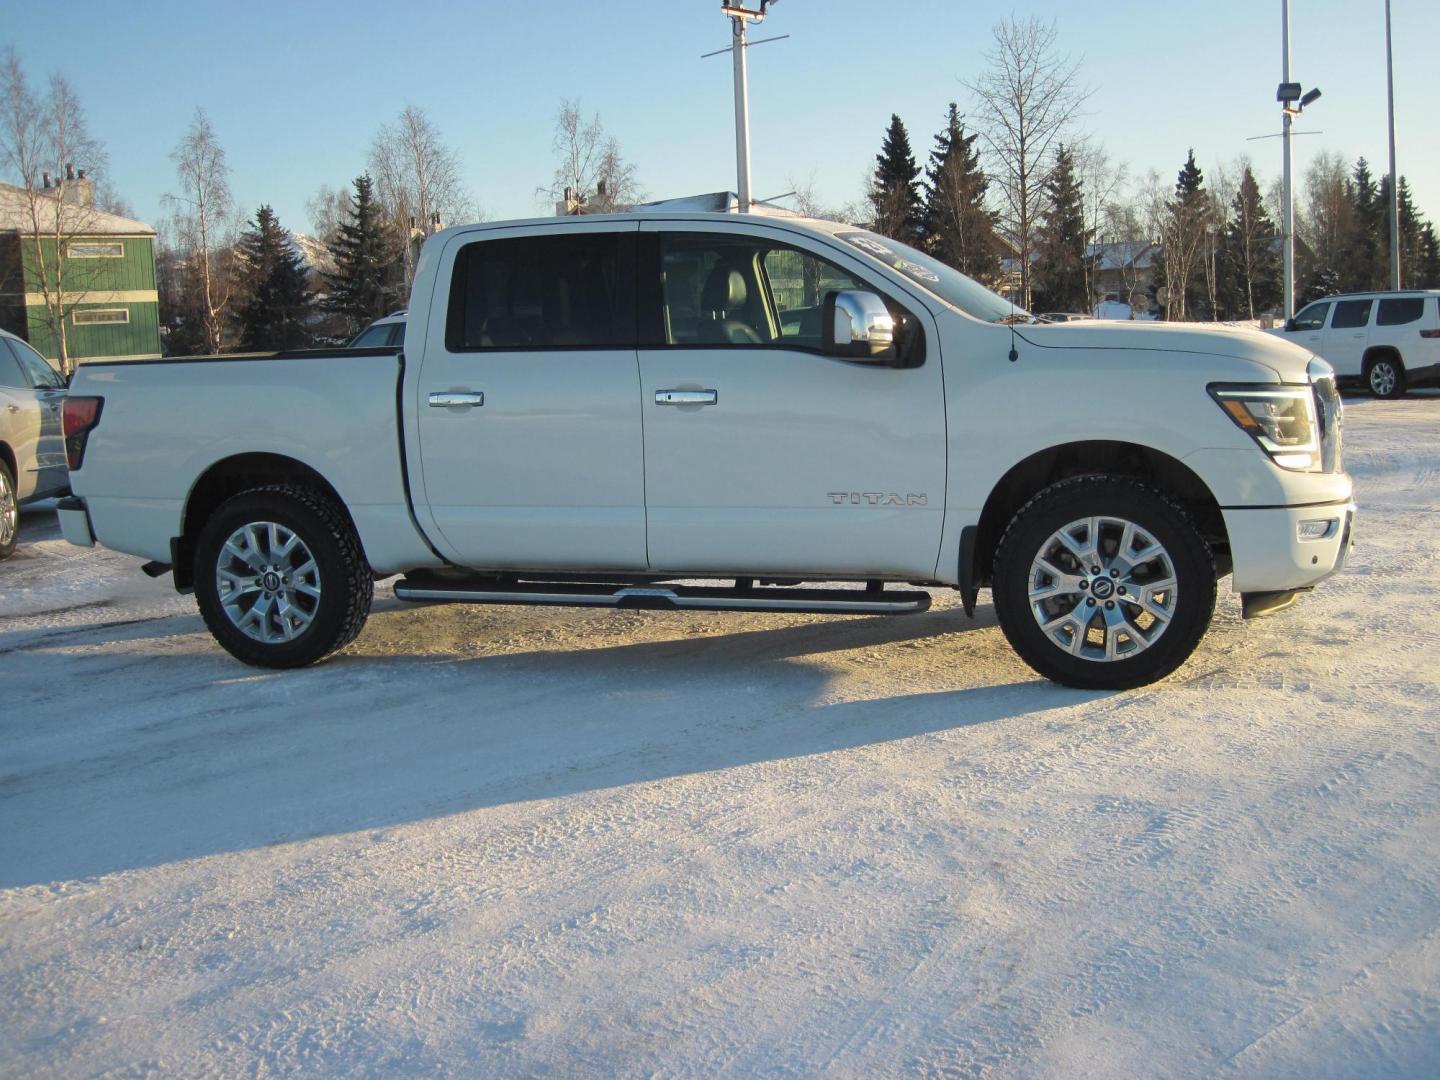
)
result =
(529, 418)
(43, 466)
(762, 455)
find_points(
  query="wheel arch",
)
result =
(7, 455)
(228, 477)
(1378, 352)
(1113, 458)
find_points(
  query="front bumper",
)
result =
(1268, 554)
(75, 521)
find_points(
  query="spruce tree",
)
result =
(1410, 231)
(275, 306)
(1427, 274)
(1061, 242)
(1249, 261)
(959, 230)
(1364, 251)
(362, 261)
(894, 189)
(1186, 221)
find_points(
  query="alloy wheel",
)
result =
(268, 582)
(1103, 589)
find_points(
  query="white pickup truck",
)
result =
(708, 411)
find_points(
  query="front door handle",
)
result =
(686, 397)
(456, 397)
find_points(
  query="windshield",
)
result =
(931, 274)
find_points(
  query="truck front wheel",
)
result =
(1103, 583)
(280, 577)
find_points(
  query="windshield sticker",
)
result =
(866, 243)
(916, 270)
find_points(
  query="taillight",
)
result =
(79, 415)
(1430, 333)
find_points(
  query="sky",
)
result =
(297, 90)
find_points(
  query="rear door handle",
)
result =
(686, 397)
(456, 397)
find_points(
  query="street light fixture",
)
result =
(1293, 101)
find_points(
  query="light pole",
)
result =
(739, 16)
(1394, 186)
(1292, 102)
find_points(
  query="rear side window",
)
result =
(1313, 317)
(10, 374)
(571, 291)
(1351, 314)
(373, 337)
(1399, 311)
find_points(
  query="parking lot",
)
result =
(488, 840)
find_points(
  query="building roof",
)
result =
(87, 221)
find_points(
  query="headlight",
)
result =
(1280, 418)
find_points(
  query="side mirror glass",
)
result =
(857, 325)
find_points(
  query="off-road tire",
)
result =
(1034, 525)
(347, 584)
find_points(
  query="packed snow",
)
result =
(498, 841)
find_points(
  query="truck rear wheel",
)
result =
(1103, 583)
(280, 577)
(1385, 375)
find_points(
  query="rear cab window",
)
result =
(528, 293)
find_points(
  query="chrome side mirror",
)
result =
(857, 325)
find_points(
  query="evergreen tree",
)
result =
(894, 189)
(1427, 274)
(1364, 255)
(1061, 242)
(1187, 216)
(362, 261)
(959, 230)
(1411, 228)
(275, 305)
(1249, 262)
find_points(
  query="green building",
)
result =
(111, 307)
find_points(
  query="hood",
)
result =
(1285, 358)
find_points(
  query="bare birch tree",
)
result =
(589, 165)
(1026, 103)
(45, 144)
(418, 181)
(1101, 184)
(205, 223)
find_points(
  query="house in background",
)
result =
(109, 276)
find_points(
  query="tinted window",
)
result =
(1313, 317)
(372, 337)
(42, 375)
(1351, 314)
(10, 373)
(542, 292)
(397, 334)
(1398, 312)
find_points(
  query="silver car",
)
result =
(32, 444)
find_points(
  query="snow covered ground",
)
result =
(548, 842)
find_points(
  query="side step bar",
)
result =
(871, 601)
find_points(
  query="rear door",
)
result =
(47, 395)
(763, 455)
(1347, 335)
(531, 453)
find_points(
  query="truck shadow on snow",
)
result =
(127, 761)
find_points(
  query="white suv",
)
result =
(1389, 341)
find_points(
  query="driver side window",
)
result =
(739, 291)
(1313, 317)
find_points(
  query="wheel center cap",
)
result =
(271, 581)
(1102, 588)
